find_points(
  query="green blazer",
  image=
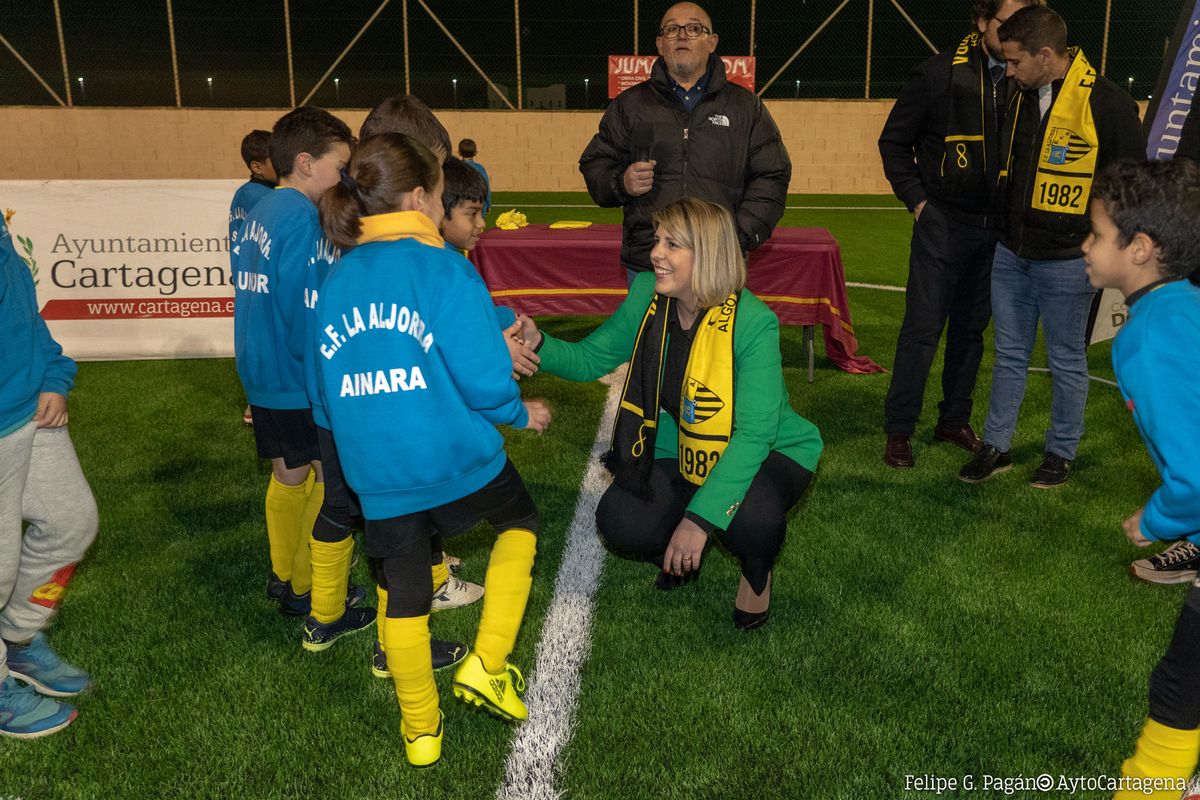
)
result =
(763, 420)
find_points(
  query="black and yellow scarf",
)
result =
(964, 160)
(1066, 162)
(705, 403)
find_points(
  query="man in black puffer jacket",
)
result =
(687, 132)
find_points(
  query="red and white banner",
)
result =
(128, 269)
(626, 71)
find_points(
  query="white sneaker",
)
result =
(453, 563)
(455, 593)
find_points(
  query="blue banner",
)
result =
(1177, 84)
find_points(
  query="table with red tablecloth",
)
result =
(538, 270)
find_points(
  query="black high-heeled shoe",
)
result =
(746, 620)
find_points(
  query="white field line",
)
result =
(880, 286)
(532, 769)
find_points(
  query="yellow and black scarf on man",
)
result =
(967, 148)
(1066, 161)
(705, 403)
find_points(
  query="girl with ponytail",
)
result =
(415, 376)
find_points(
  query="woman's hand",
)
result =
(51, 410)
(539, 415)
(524, 360)
(1133, 528)
(685, 549)
(529, 331)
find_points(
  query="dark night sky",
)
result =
(122, 49)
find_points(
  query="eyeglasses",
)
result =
(693, 30)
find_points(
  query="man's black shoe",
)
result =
(963, 436)
(987, 462)
(1054, 471)
(897, 453)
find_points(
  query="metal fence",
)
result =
(527, 54)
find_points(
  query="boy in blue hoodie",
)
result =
(1145, 242)
(463, 193)
(43, 487)
(415, 376)
(256, 152)
(280, 244)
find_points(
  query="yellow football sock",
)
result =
(412, 673)
(380, 614)
(505, 592)
(285, 508)
(330, 574)
(441, 574)
(1161, 752)
(301, 568)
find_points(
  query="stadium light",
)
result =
(82, 90)
(586, 92)
(454, 82)
(337, 88)
(210, 95)
(797, 94)
(1131, 84)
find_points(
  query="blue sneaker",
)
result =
(25, 714)
(38, 665)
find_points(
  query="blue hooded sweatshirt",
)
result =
(244, 200)
(33, 362)
(276, 251)
(1157, 360)
(413, 370)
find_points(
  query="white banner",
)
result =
(128, 269)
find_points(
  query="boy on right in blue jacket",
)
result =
(1145, 242)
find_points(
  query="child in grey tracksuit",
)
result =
(47, 512)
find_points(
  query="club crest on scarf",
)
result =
(700, 403)
(1065, 146)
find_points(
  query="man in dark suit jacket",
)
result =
(940, 149)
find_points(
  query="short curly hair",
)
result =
(1160, 199)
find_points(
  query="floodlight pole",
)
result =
(175, 58)
(1104, 48)
(517, 20)
(287, 30)
(753, 14)
(635, 27)
(62, 49)
(803, 47)
(870, 46)
(32, 71)
(407, 71)
(345, 51)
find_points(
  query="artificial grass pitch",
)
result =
(919, 625)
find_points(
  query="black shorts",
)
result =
(504, 502)
(289, 434)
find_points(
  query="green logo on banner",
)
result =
(27, 245)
